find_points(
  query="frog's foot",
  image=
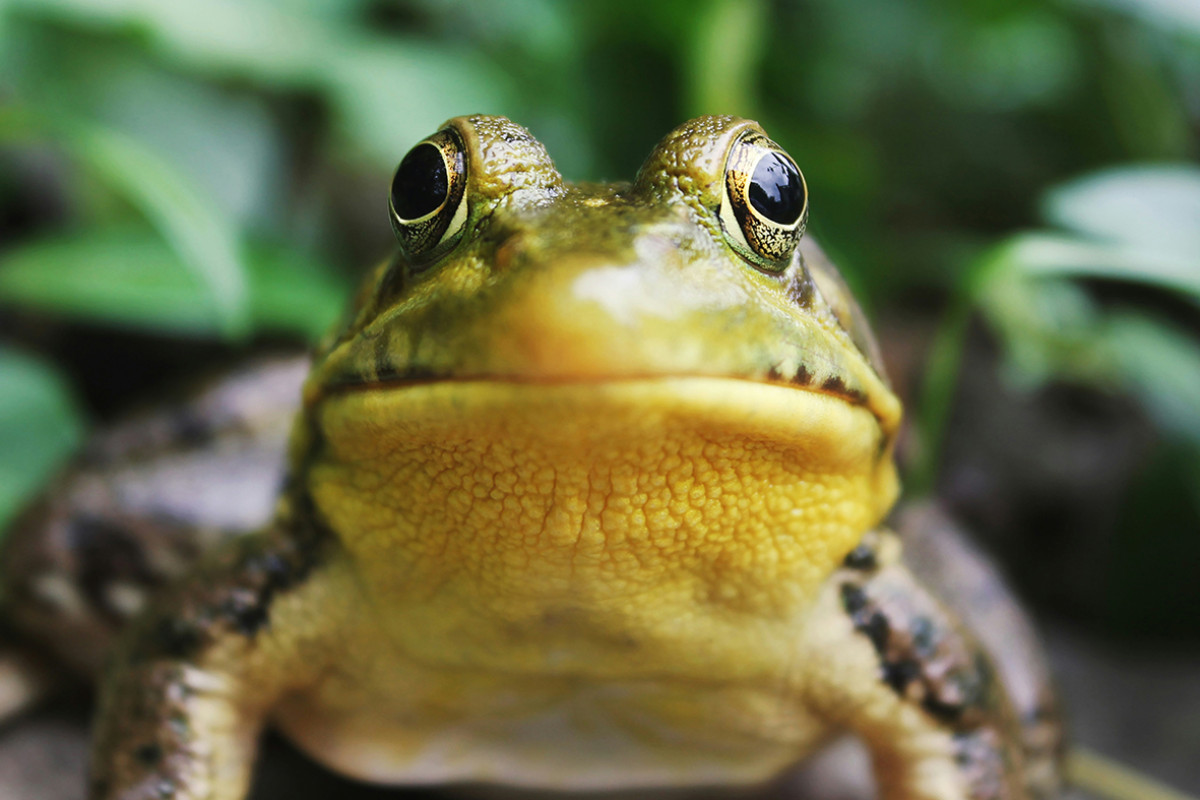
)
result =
(26, 677)
(187, 695)
(900, 671)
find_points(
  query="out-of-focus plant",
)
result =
(39, 427)
(1131, 226)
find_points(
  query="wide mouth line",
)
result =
(833, 387)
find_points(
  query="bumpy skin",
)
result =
(587, 501)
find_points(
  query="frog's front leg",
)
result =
(899, 670)
(186, 696)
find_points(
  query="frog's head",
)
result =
(602, 328)
(699, 268)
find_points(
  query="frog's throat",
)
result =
(729, 489)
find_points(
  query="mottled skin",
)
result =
(587, 499)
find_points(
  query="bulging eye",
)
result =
(426, 202)
(764, 207)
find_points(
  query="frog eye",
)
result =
(764, 207)
(426, 201)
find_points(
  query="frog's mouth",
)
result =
(883, 406)
(824, 430)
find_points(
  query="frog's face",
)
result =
(698, 268)
(600, 329)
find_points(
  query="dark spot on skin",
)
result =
(946, 712)
(268, 572)
(854, 599)
(175, 638)
(381, 355)
(774, 374)
(802, 376)
(861, 558)
(975, 684)
(835, 385)
(919, 657)
(248, 615)
(877, 629)
(148, 754)
(278, 570)
(867, 620)
(107, 553)
(899, 674)
(800, 289)
(923, 635)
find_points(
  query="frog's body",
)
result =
(585, 494)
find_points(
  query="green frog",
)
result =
(587, 492)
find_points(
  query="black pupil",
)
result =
(420, 185)
(776, 191)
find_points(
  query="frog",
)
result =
(588, 491)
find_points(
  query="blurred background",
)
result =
(1011, 186)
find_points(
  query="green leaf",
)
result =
(273, 42)
(1174, 16)
(1053, 255)
(1153, 207)
(1052, 328)
(198, 230)
(131, 277)
(39, 428)
(388, 94)
(1161, 364)
(291, 293)
(386, 91)
(127, 277)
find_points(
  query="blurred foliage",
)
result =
(37, 420)
(215, 170)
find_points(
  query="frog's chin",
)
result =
(607, 511)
